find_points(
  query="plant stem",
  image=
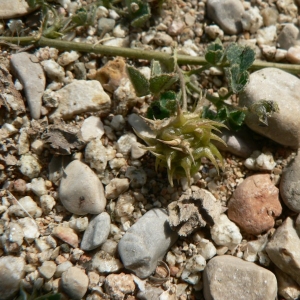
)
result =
(134, 53)
(183, 89)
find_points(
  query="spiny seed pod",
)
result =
(181, 141)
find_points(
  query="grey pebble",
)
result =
(290, 184)
(30, 73)
(284, 89)
(11, 273)
(96, 233)
(80, 190)
(106, 25)
(14, 8)
(227, 14)
(146, 242)
(288, 36)
(229, 277)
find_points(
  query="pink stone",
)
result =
(67, 235)
(255, 204)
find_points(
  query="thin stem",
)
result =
(198, 71)
(134, 53)
(183, 89)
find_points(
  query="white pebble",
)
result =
(38, 186)
(67, 58)
(125, 142)
(29, 166)
(47, 203)
(91, 128)
(53, 70)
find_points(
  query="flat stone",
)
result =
(47, 269)
(74, 282)
(255, 204)
(11, 273)
(283, 249)
(80, 190)
(284, 89)
(229, 277)
(81, 96)
(92, 128)
(227, 14)
(290, 184)
(30, 73)
(14, 9)
(146, 242)
(96, 233)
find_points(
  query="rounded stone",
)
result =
(255, 204)
(80, 191)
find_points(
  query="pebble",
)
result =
(105, 263)
(252, 20)
(206, 249)
(92, 128)
(61, 268)
(47, 269)
(283, 88)
(96, 233)
(162, 39)
(255, 204)
(194, 265)
(80, 190)
(266, 36)
(53, 70)
(105, 25)
(287, 287)
(227, 14)
(29, 166)
(74, 282)
(66, 234)
(116, 187)
(14, 9)
(288, 36)
(25, 206)
(11, 274)
(67, 57)
(254, 248)
(110, 246)
(47, 203)
(30, 73)
(38, 186)
(125, 142)
(23, 142)
(118, 285)
(79, 224)
(146, 242)
(226, 233)
(283, 249)
(260, 161)
(214, 32)
(229, 277)
(270, 15)
(30, 229)
(137, 176)
(293, 55)
(12, 235)
(289, 184)
(96, 155)
(81, 96)
(137, 151)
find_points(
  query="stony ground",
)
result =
(83, 211)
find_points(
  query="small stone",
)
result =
(287, 287)
(11, 274)
(270, 15)
(118, 285)
(67, 57)
(288, 36)
(252, 20)
(214, 32)
(116, 187)
(105, 25)
(282, 88)
(125, 142)
(118, 163)
(124, 206)
(92, 128)
(61, 268)
(30, 73)
(20, 186)
(81, 191)
(47, 203)
(53, 70)
(105, 263)
(14, 9)
(79, 224)
(254, 204)
(226, 233)
(117, 122)
(66, 234)
(229, 277)
(47, 269)
(260, 161)
(193, 265)
(266, 36)
(227, 14)
(26, 206)
(137, 151)
(23, 142)
(162, 39)
(176, 27)
(283, 249)
(30, 166)
(206, 249)
(38, 186)
(110, 247)
(74, 282)
(96, 233)
(293, 55)
(81, 96)
(137, 176)
(146, 242)
(30, 229)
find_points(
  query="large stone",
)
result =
(254, 204)
(81, 96)
(146, 242)
(290, 185)
(227, 14)
(11, 273)
(283, 249)
(229, 277)
(30, 73)
(80, 191)
(283, 88)
(14, 9)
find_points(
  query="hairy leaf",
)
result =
(215, 53)
(139, 12)
(264, 109)
(237, 78)
(236, 119)
(162, 82)
(139, 81)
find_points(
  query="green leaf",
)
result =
(236, 119)
(80, 18)
(237, 79)
(162, 82)
(139, 12)
(247, 58)
(164, 107)
(139, 81)
(264, 109)
(155, 67)
(215, 53)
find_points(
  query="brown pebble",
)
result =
(67, 235)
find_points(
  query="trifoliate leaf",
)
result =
(247, 58)
(139, 81)
(237, 78)
(264, 109)
(215, 53)
(236, 119)
(162, 82)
